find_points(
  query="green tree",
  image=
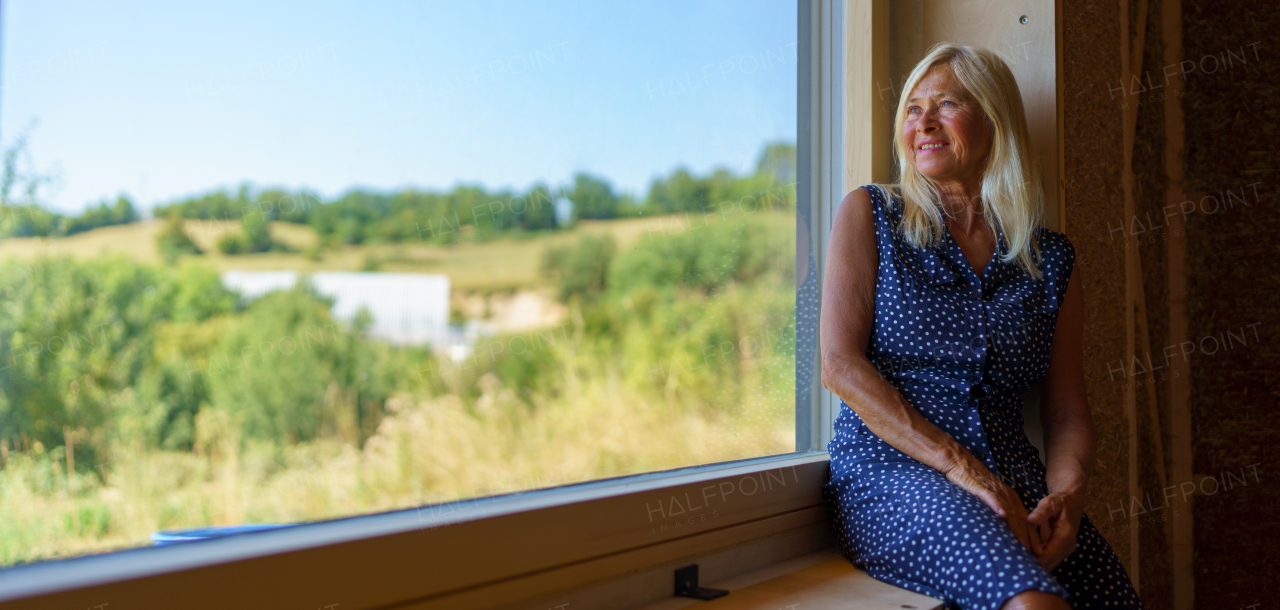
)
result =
(256, 233)
(21, 187)
(173, 242)
(778, 162)
(536, 210)
(79, 342)
(102, 215)
(254, 236)
(680, 192)
(593, 198)
(275, 364)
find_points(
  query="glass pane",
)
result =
(264, 264)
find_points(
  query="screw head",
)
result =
(1023, 19)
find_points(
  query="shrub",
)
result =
(254, 236)
(583, 269)
(173, 241)
(231, 244)
(256, 233)
(706, 258)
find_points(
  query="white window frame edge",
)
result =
(504, 549)
(827, 143)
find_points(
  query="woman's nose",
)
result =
(928, 119)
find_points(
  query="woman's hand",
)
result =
(1058, 517)
(973, 477)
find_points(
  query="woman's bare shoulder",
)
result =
(853, 230)
(857, 198)
(856, 215)
(849, 285)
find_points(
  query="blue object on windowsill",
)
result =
(191, 534)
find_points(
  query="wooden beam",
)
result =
(1144, 336)
(1131, 66)
(868, 120)
(1182, 545)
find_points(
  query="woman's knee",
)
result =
(1035, 600)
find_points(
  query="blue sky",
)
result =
(165, 99)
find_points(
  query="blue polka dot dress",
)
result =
(962, 349)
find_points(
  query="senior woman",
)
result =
(945, 300)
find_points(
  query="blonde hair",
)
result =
(1012, 197)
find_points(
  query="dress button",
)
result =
(979, 454)
(1027, 306)
(977, 341)
(978, 391)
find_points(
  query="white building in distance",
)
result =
(407, 308)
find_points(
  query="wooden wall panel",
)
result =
(1029, 49)
(868, 121)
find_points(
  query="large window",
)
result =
(279, 263)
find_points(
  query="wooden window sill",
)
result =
(824, 579)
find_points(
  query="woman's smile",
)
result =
(930, 146)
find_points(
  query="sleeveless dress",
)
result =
(962, 349)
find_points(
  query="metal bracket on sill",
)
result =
(687, 585)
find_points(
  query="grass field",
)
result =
(427, 452)
(600, 413)
(502, 264)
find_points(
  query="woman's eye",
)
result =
(945, 102)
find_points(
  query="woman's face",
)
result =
(945, 130)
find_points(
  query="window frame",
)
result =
(500, 550)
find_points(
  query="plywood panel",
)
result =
(1030, 50)
(868, 121)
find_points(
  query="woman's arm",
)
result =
(1068, 431)
(848, 315)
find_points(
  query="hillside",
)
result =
(482, 266)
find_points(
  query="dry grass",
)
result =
(427, 451)
(137, 241)
(503, 264)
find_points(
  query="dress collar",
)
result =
(957, 257)
(928, 264)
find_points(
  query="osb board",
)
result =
(1232, 136)
(1093, 158)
